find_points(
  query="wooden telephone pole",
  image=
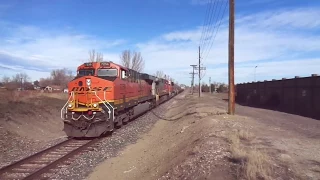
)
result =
(199, 73)
(210, 85)
(231, 107)
(200, 68)
(192, 82)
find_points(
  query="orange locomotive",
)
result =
(104, 95)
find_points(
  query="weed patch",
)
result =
(253, 163)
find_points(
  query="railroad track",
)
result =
(44, 163)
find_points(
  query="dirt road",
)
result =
(196, 139)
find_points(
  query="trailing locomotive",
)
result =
(105, 95)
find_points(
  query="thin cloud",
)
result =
(301, 18)
(36, 47)
(174, 51)
(6, 67)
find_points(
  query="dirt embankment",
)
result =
(28, 120)
(196, 139)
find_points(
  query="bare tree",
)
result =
(61, 77)
(16, 81)
(125, 58)
(36, 83)
(20, 77)
(137, 62)
(99, 57)
(166, 77)
(5, 79)
(130, 61)
(92, 55)
(159, 74)
(43, 82)
(95, 56)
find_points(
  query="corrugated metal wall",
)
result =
(297, 96)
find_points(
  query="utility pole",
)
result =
(21, 84)
(231, 107)
(192, 77)
(255, 73)
(210, 85)
(200, 68)
(199, 73)
(192, 82)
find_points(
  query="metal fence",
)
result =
(297, 96)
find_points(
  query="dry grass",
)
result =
(258, 165)
(245, 135)
(239, 154)
(289, 163)
(25, 96)
(253, 164)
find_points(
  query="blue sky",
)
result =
(282, 38)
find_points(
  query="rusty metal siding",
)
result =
(297, 96)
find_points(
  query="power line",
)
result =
(211, 26)
(211, 8)
(222, 15)
(212, 23)
(204, 23)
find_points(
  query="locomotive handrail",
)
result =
(71, 95)
(95, 93)
(109, 111)
(104, 96)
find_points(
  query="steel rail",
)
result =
(9, 167)
(74, 152)
(38, 172)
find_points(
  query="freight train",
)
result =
(105, 95)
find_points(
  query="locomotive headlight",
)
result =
(70, 105)
(95, 105)
(88, 81)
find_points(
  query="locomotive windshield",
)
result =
(107, 72)
(86, 72)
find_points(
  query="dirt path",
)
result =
(196, 139)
